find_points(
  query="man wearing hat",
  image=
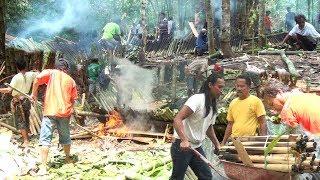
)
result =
(60, 95)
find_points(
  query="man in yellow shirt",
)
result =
(246, 113)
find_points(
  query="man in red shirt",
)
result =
(60, 96)
(267, 22)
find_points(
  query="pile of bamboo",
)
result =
(35, 122)
(292, 153)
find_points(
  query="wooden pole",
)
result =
(13, 129)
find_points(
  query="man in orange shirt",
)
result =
(295, 108)
(267, 22)
(60, 95)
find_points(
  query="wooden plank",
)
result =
(193, 29)
(242, 152)
(137, 133)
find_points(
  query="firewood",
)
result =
(139, 133)
(13, 129)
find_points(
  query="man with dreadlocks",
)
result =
(60, 96)
(193, 122)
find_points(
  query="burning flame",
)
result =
(115, 125)
(114, 121)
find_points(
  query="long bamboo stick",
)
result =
(275, 167)
(253, 149)
(283, 138)
(279, 144)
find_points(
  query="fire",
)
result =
(115, 125)
(114, 120)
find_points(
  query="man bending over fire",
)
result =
(193, 122)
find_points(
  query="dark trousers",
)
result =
(304, 42)
(182, 159)
(21, 112)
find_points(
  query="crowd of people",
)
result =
(245, 117)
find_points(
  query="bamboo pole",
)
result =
(283, 138)
(275, 167)
(279, 144)
(255, 149)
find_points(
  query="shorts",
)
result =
(21, 111)
(48, 125)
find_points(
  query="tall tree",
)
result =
(143, 24)
(262, 33)
(2, 31)
(209, 19)
(225, 30)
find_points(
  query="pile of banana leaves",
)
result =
(151, 164)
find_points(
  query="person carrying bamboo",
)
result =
(246, 113)
(60, 95)
(193, 122)
(20, 105)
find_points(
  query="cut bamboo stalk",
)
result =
(292, 70)
(279, 144)
(283, 138)
(35, 118)
(276, 150)
(275, 167)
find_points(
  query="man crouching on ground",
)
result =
(60, 95)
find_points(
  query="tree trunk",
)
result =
(225, 36)
(262, 33)
(143, 24)
(309, 10)
(2, 31)
(209, 19)
(180, 14)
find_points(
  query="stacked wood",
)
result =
(292, 153)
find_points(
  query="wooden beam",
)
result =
(242, 152)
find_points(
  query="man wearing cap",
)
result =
(60, 96)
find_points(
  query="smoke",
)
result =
(68, 14)
(135, 85)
